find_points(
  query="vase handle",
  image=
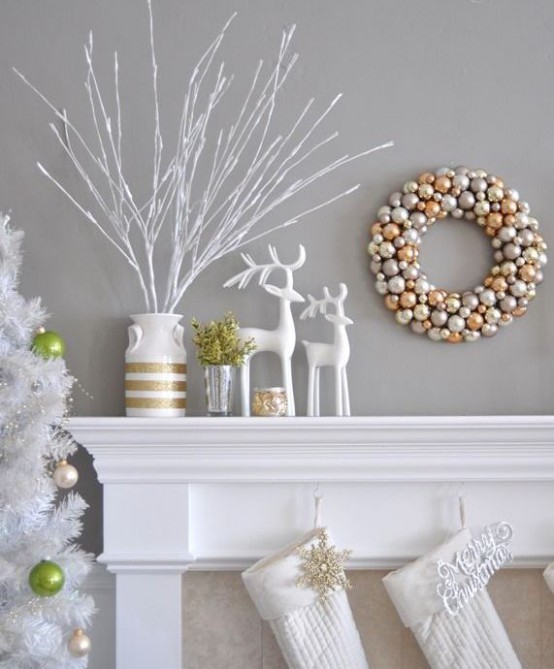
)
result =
(178, 335)
(135, 335)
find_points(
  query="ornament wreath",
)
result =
(518, 252)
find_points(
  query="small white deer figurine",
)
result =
(334, 355)
(282, 340)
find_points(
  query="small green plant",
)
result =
(218, 343)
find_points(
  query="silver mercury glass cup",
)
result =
(219, 381)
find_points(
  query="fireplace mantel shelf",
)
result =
(201, 449)
(218, 493)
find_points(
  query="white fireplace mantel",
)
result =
(218, 493)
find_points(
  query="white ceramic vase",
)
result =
(156, 367)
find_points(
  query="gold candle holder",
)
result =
(269, 402)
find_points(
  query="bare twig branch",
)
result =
(251, 171)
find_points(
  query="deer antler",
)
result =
(293, 266)
(339, 299)
(321, 305)
(243, 278)
(316, 305)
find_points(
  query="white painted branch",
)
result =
(249, 174)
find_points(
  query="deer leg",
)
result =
(287, 382)
(345, 393)
(311, 391)
(338, 391)
(316, 391)
(245, 387)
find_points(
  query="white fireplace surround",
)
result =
(218, 493)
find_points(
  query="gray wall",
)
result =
(451, 82)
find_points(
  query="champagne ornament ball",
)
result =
(79, 644)
(65, 475)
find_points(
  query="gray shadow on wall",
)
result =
(90, 490)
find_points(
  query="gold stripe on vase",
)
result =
(155, 368)
(161, 386)
(155, 403)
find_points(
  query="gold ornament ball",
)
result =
(508, 207)
(408, 300)
(391, 302)
(390, 231)
(499, 283)
(453, 303)
(79, 644)
(426, 178)
(407, 253)
(65, 475)
(425, 192)
(527, 273)
(443, 184)
(432, 208)
(436, 296)
(494, 220)
(475, 321)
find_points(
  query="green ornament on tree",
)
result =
(49, 344)
(46, 578)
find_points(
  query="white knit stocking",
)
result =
(311, 635)
(473, 639)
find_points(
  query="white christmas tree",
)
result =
(42, 615)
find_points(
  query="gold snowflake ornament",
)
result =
(323, 567)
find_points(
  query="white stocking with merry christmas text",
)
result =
(470, 635)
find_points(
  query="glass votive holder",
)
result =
(269, 402)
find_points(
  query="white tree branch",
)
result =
(247, 174)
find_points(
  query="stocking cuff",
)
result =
(272, 582)
(413, 588)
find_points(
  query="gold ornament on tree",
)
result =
(65, 475)
(79, 644)
(323, 567)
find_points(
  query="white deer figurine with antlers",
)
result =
(281, 340)
(335, 354)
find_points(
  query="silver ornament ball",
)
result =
(466, 200)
